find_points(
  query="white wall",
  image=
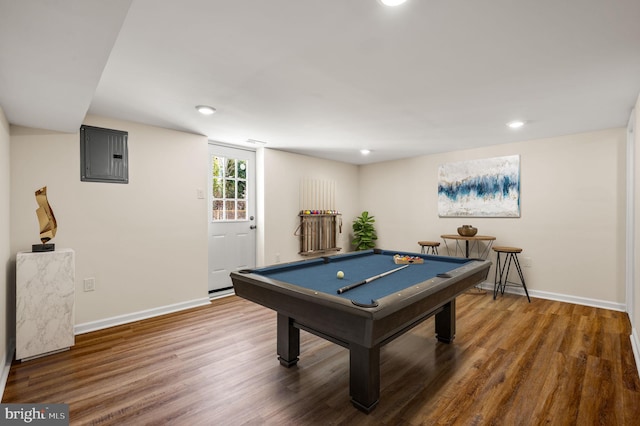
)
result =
(572, 222)
(282, 173)
(6, 283)
(145, 242)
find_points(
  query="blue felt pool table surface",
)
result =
(321, 274)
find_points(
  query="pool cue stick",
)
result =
(368, 280)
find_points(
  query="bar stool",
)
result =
(429, 247)
(500, 279)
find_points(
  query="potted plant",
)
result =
(364, 234)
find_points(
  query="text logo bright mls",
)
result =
(34, 414)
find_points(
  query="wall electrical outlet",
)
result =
(525, 262)
(89, 284)
(200, 193)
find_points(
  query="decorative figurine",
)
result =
(48, 224)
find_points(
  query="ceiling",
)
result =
(325, 78)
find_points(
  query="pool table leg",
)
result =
(288, 341)
(446, 322)
(364, 377)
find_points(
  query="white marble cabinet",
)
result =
(45, 296)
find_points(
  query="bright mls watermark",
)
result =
(34, 414)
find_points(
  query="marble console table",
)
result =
(45, 296)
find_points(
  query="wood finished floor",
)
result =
(512, 363)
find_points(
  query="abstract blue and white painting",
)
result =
(480, 188)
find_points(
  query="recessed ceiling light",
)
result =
(365, 152)
(205, 109)
(516, 124)
(392, 2)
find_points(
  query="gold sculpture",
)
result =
(48, 224)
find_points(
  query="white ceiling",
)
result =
(325, 78)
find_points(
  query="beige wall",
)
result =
(6, 284)
(572, 223)
(145, 242)
(636, 239)
(146, 245)
(282, 173)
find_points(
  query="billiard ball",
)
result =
(340, 275)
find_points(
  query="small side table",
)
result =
(470, 243)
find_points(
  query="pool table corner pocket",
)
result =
(373, 304)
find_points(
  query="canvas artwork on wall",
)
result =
(480, 188)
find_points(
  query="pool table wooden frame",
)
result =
(362, 330)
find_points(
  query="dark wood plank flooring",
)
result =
(512, 363)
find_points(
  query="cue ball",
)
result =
(340, 274)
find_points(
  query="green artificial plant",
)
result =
(364, 234)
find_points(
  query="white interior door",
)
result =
(232, 235)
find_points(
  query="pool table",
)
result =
(305, 296)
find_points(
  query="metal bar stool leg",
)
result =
(504, 276)
(510, 257)
(517, 263)
(496, 281)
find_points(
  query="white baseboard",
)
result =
(6, 368)
(604, 304)
(635, 345)
(137, 316)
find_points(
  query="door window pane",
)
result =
(229, 181)
(230, 208)
(218, 166)
(241, 212)
(242, 189)
(242, 169)
(217, 188)
(230, 188)
(218, 210)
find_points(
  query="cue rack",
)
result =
(318, 231)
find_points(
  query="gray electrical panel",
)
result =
(103, 155)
